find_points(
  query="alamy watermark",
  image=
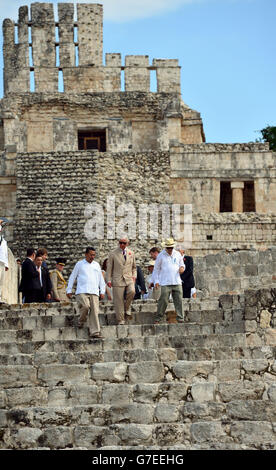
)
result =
(144, 221)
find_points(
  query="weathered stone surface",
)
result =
(246, 390)
(208, 431)
(255, 410)
(112, 371)
(187, 370)
(16, 376)
(146, 372)
(252, 432)
(132, 413)
(166, 413)
(56, 438)
(134, 435)
(27, 396)
(203, 391)
(63, 374)
(265, 319)
(116, 393)
(272, 392)
(145, 393)
(27, 437)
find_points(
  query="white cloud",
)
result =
(114, 10)
(125, 10)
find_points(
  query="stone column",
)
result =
(237, 196)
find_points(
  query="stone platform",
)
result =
(209, 383)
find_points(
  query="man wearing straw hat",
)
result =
(167, 269)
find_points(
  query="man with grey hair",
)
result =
(121, 275)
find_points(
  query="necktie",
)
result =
(124, 253)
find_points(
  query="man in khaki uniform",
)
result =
(121, 275)
(58, 282)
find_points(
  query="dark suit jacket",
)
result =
(30, 285)
(29, 277)
(139, 284)
(46, 283)
(187, 277)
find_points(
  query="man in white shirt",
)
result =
(90, 286)
(167, 269)
(4, 262)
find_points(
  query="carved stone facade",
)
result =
(74, 131)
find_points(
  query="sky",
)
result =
(226, 50)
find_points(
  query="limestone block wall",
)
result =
(198, 170)
(43, 122)
(11, 281)
(8, 203)
(235, 272)
(60, 61)
(213, 232)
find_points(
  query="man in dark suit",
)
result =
(29, 277)
(187, 278)
(140, 287)
(42, 286)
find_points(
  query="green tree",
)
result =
(269, 135)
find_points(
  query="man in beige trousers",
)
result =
(90, 287)
(121, 275)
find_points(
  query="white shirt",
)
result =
(4, 252)
(89, 278)
(166, 268)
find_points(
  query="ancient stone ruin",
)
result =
(77, 133)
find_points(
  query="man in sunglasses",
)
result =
(121, 275)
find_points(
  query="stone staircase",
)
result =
(209, 383)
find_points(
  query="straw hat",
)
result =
(169, 243)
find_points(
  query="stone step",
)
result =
(149, 371)
(120, 394)
(252, 387)
(124, 335)
(139, 413)
(246, 423)
(155, 337)
(197, 348)
(51, 317)
(35, 328)
(166, 355)
(137, 305)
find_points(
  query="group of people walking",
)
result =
(170, 276)
(38, 284)
(120, 276)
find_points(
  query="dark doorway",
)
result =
(225, 196)
(249, 197)
(92, 140)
